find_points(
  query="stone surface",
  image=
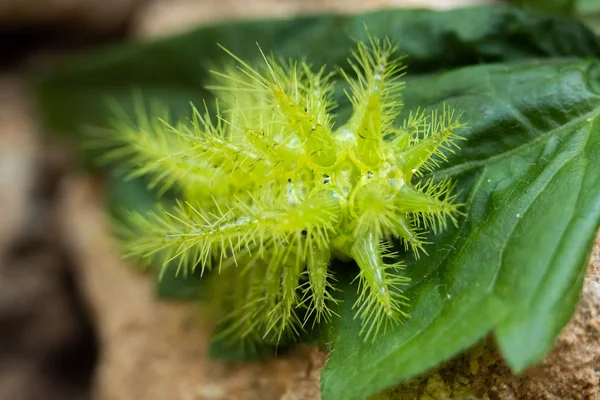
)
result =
(17, 149)
(104, 15)
(47, 344)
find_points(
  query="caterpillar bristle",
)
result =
(271, 192)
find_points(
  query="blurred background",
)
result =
(75, 323)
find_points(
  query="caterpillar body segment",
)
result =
(272, 191)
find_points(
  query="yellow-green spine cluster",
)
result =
(272, 192)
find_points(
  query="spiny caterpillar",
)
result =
(271, 193)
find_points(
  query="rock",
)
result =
(101, 16)
(47, 344)
(17, 152)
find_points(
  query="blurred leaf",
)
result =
(562, 7)
(587, 11)
(175, 70)
(239, 352)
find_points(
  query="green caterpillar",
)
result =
(271, 192)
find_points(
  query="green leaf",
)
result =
(239, 352)
(587, 11)
(563, 7)
(175, 70)
(530, 179)
(180, 287)
(515, 263)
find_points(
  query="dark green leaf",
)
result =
(589, 12)
(531, 183)
(239, 352)
(174, 70)
(526, 171)
(563, 7)
(180, 287)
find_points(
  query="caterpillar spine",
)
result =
(272, 192)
